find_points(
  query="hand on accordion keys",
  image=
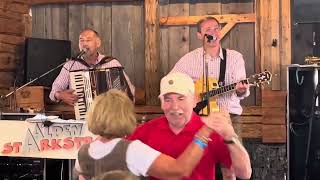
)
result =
(67, 96)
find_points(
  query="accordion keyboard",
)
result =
(80, 82)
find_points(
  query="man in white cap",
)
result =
(171, 133)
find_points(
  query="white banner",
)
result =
(33, 139)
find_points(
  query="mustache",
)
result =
(176, 113)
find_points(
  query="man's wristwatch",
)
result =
(231, 141)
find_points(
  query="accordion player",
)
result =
(90, 83)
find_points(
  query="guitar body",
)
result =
(214, 90)
(200, 87)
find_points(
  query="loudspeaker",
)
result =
(42, 55)
(303, 123)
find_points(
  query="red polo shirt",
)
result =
(158, 135)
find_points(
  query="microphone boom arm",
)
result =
(30, 82)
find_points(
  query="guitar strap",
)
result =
(202, 104)
(223, 63)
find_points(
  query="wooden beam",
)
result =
(37, 2)
(11, 39)
(10, 15)
(152, 52)
(274, 15)
(227, 28)
(285, 41)
(192, 20)
(257, 44)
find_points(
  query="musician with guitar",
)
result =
(221, 66)
(211, 66)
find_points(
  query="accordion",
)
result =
(90, 83)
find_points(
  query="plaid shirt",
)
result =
(192, 64)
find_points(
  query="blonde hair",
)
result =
(111, 115)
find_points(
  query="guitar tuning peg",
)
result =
(258, 85)
(268, 82)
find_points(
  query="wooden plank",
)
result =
(37, 2)
(8, 48)
(77, 23)
(274, 115)
(11, 27)
(252, 111)
(18, 6)
(275, 50)
(191, 20)
(152, 57)
(7, 61)
(4, 103)
(265, 34)
(257, 48)
(128, 42)
(274, 98)
(164, 40)
(178, 35)
(274, 134)
(98, 17)
(197, 9)
(11, 39)
(38, 22)
(227, 28)
(27, 21)
(6, 79)
(57, 22)
(4, 13)
(285, 41)
(251, 131)
(251, 119)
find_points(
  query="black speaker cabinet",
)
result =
(41, 55)
(303, 123)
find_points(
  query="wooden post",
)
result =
(152, 54)
(285, 41)
(258, 47)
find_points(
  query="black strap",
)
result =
(104, 60)
(223, 63)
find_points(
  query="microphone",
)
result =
(210, 37)
(82, 52)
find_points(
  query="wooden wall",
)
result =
(14, 27)
(120, 24)
(130, 33)
(178, 40)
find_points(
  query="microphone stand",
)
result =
(206, 68)
(44, 74)
(32, 81)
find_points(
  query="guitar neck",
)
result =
(223, 89)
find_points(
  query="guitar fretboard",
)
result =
(221, 90)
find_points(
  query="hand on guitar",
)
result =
(67, 96)
(241, 88)
(220, 122)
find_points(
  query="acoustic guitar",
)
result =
(215, 90)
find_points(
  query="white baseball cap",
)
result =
(176, 83)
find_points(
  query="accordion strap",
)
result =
(104, 60)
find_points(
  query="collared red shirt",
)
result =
(158, 135)
(62, 82)
(192, 64)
